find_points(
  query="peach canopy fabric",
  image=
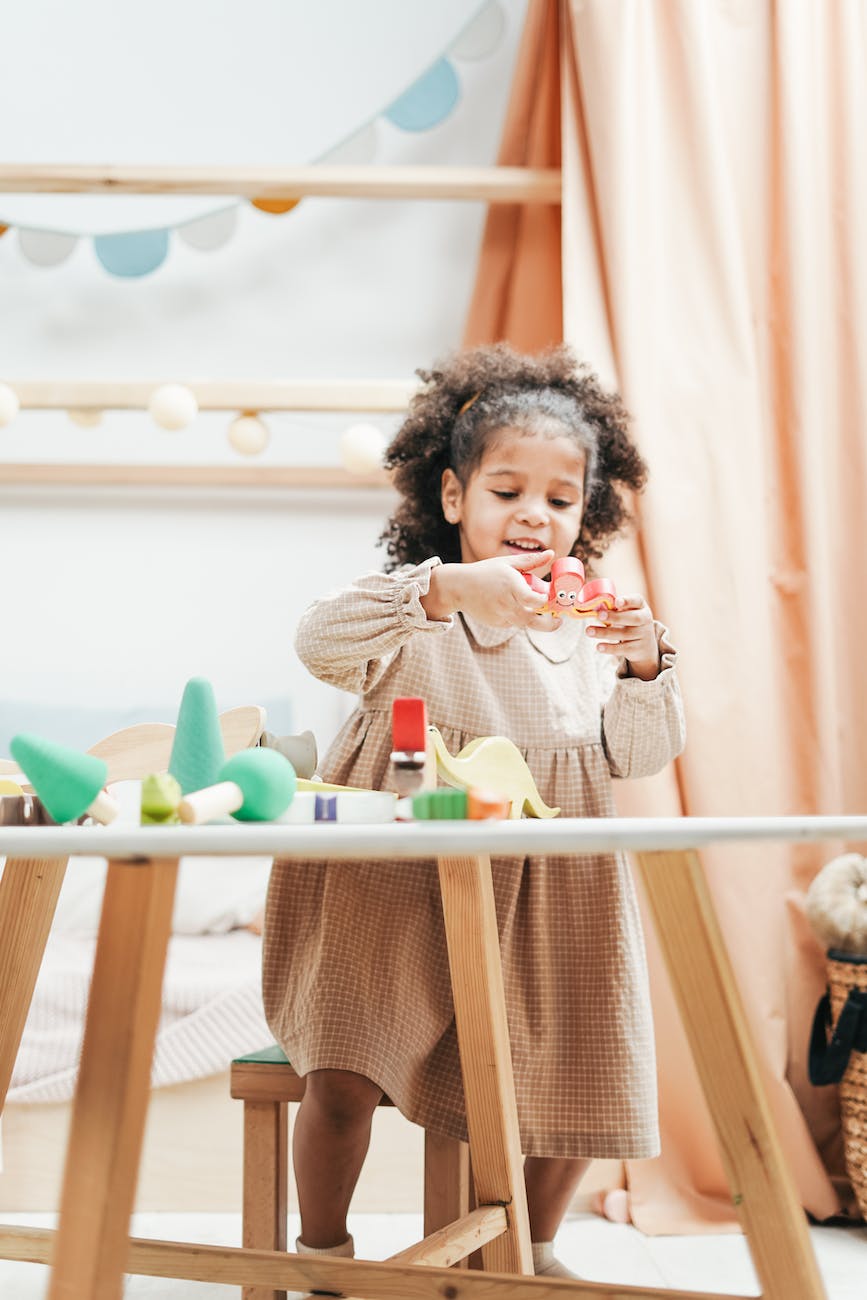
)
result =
(712, 262)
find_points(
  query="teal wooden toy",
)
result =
(197, 751)
(255, 785)
(69, 783)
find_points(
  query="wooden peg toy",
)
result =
(255, 785)
(69, 783)
(409, 745)
(569, 596)
(484, 806)
(197, 750)
(440, 806)
(160, 797)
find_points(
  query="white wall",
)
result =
(118, 596)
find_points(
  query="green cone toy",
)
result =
(68, 782)
(197, 752)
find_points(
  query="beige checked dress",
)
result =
(355, 972)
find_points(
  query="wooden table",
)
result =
(91, 1249)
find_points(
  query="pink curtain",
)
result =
(713, 268)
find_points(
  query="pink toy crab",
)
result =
(569, 596)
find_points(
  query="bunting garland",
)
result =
(131, 254)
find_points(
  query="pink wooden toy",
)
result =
(569, 596)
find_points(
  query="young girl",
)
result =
(504, 463)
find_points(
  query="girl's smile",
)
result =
(527, 495)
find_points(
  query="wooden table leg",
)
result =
(110, 1106)
(29, 889)
(486, 1060)
(713, 1017)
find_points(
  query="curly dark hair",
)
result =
(465, 400)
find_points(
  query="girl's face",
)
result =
(526, 495)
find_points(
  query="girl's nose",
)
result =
(533, 512)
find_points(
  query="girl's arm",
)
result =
(350, 637)
(643, 725)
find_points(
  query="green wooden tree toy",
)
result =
(69, 783)
(197, 752)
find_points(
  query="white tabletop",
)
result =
(420, 839)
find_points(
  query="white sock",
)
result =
(346, 1249)
(546, 1263)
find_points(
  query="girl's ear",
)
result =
(451, 495)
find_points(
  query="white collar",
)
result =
(557, 646)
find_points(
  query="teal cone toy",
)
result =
(68, 782)
(197, 752)
(256, 785)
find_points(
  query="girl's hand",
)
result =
(628, 631)
(492, 591)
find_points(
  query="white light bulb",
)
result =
(173, 407)
(9, 404)
(249, 435)
(361, 448)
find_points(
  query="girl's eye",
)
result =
(561, 505)
(505, 496)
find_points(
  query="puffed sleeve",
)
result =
(350, 637)
(643, 725)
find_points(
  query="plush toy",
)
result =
(837, 904)
(837, 911)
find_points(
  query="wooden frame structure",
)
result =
(262, 396)
(479, 184)
(90, 1251)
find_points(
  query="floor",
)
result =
(591, 1246)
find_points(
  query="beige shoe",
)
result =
(346, 1250)
(546, 1263)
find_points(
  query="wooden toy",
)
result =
(409, 757)
(440, 806)
(160, 796)
(255, 785)
(492, 763)
(355, 807)
(69, 783)
(483, 806)
(300, 750)
(197, 750)
(569, 596)
(328, 787)
(326, 808)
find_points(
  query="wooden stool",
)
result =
(266, 1083)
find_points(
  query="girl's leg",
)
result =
(332, 1134)
(551, 1184)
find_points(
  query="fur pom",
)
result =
(837, 904)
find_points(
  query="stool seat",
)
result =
(266, 1075)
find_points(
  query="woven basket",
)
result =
(844, 973)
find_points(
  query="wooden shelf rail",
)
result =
(484, 184)
(301, 477)
(388, 395)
